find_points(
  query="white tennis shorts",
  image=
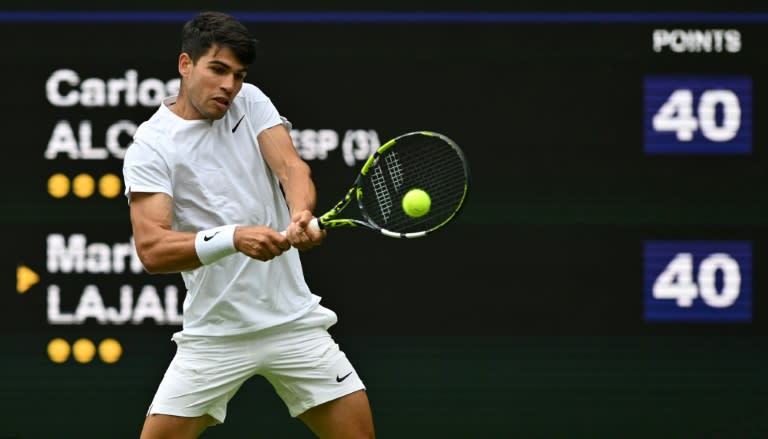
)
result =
(300, 359)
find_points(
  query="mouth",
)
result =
(222, 102)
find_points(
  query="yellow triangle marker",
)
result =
(25, 278)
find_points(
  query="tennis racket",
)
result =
(422, 160)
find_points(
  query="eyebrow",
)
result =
(223, 64)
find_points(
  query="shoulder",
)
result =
(259, 107)
(252, 93)
(153, 137)
(156, 126)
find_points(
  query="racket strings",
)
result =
(382, 192)
(424, 162)
(395, 170)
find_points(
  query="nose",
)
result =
(228, 83)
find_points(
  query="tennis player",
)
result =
(212, 178)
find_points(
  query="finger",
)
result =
(283, 243)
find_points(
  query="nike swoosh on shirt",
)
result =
(234, 128)
(340, 379)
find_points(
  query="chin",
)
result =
(217, 114)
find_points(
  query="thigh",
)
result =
(174, 427)
(203, 376)
(345, 417)
(309, 369)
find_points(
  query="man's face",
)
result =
(210, 84)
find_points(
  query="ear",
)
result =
(185, 64)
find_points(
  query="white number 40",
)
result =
(676, 281)
(676, 114)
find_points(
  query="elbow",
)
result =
(149, 260)
(150, 269)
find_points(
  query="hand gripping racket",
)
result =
(424, 160)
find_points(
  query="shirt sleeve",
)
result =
(261, 110)
(145, 170)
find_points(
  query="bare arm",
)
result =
(160, 249)
(296, 179)
(163, 250)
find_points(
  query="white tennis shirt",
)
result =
(216, 175)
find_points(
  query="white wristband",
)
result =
(213, 244)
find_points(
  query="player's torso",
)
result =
(219, 175)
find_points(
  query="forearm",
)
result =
(300, 192)
(292, 171)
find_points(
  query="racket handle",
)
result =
(314, 225)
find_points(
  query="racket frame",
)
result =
(328, 220)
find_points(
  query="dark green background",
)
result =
(522, 319)
(434, 386)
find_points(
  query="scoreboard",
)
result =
(618, 174)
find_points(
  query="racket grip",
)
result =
(314, 225)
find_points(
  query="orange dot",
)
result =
(58, 185)
(83, 185)
(110, 350)
(109, 185)
(83, 350)
(58, 350)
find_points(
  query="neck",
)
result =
(184, 109)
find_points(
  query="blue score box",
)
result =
(698, 281)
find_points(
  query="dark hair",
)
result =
(210, 29)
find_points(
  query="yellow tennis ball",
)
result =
(416, 203)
